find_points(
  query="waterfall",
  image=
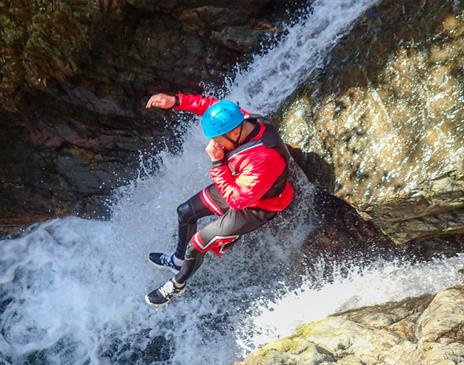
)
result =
(72, 290)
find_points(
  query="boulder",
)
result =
(381, 125)
(422, 331)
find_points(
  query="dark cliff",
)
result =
(75, 77)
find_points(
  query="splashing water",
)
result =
(71, 290)
(276, 74)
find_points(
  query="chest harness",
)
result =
(270, 139)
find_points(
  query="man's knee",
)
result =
(185, 213)
(191, 252)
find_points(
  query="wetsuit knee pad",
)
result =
(186, 213)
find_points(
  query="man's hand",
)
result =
(215, 151)
(161, 101)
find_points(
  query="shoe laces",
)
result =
(167, 289)
(166, 259)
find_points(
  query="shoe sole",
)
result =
(165, 303)
(164, 267)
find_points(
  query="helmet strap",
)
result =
(235, 143)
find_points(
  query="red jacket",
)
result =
(249, 173)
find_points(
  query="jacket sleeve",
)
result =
(258, 174)
(195, 103)
(198, 104)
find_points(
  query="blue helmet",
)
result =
(221, 118)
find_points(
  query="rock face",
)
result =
(344, 240)
(75, 77)
(382, 125)
(421, 331)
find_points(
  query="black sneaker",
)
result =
(164, 294)
(164, 260)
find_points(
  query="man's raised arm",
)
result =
(192, 103)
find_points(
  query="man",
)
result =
(249, 172)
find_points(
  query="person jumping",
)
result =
(250, 185)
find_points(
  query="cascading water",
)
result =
(71, 290)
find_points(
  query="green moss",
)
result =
(5, 21)
(10, 32)
(41, 43)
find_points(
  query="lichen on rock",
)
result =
(421, 331)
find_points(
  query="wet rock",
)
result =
(386, 116)
(342, 237)
(422, 330)
(443, 318)
(239, 38)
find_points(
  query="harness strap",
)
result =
(270, 139)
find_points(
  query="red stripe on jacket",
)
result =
(254, 170)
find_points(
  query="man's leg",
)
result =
(193, 260)
(219, 236)
(188, 214)
(198, 206)
(215, 237)
(206, 202)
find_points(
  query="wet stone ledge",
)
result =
(422, 331)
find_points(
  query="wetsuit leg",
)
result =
(206, 202)
(193, 260)
(225, 231)
(219, 235)
(188, 213)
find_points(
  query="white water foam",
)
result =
(72, 290)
